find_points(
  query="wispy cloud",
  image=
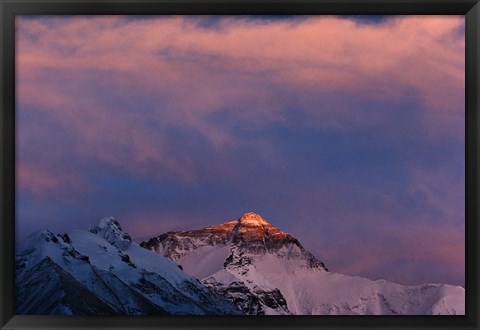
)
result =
(331, 122)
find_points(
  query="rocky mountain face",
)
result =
(244, 266)
(249, 234)
(263, 270)
(223, 256)
(102, 272)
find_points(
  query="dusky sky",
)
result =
(346, 132)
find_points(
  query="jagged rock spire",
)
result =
(110, 229)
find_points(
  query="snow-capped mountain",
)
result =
(264, 270)
(102, 271)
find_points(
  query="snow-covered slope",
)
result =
(264, 270)
(102, 271)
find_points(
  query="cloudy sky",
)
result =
(346, 132)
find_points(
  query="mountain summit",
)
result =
(225, 257)
(109, 229)
(250, 234)
(252, 218)
(264, 270)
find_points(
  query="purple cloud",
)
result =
(315, 122)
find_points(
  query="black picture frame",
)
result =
(10, 8)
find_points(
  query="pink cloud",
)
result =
(190, 74)
(40, 181)
(35, 180)
(399, 253)
(173, 58)
(104, 81)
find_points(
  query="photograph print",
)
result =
(240, 165)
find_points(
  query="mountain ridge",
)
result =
(103, 265)
(271, 267)
(249, 232)
(245, 266)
